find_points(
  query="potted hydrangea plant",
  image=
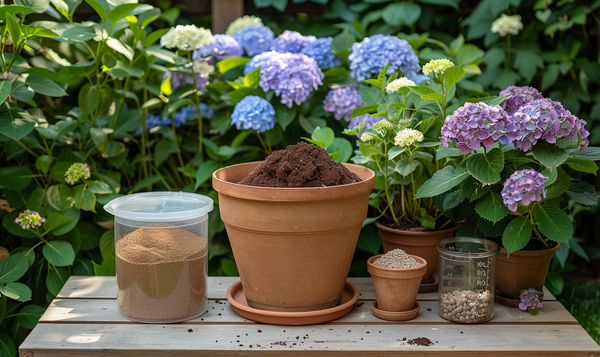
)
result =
(515, 162)
(402, 149)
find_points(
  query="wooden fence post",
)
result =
(224, 12)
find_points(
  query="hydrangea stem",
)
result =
(387, 188)
(197, 104)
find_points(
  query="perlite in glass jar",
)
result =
(467, 279)
(161, 251)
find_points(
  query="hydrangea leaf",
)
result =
(453, 199)
(406, 166)
(443, 152)
(517, 234)
(395, 151)
(553, 222)
(442, 181)
(492, 208)
(583, 193)
(473, 189)
(582, 165)
(551, 174)
(486, 167)
(562, 183)
(591, 153)
(59, 253)
(16, 291)
(548, 154)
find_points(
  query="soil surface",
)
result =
(300, 165)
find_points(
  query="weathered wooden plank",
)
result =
(378, 340)
(224, 12)
(104, 287)
(219, 311)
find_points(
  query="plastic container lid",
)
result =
(160, 206)
(463, 247)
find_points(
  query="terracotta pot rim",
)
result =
(529, 253)
(415, 233)
(397, 270)
(293, 193)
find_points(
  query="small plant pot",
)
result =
(422, 244)
(396, 289)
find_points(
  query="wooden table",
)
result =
(83, 321)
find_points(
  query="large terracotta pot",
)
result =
(293, 246)
(396, 289)
(524, 269)
(422, 244)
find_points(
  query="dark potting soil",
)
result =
(420, 341)
(300, 165)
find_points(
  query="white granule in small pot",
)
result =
(396, 259)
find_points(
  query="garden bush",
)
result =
(97, 109)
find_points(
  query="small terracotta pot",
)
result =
(396, 289)
(422, 244)
(524, 269)
(293, 246)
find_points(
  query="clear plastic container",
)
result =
(467, 279)
(161, 255)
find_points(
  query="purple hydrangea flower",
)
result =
(258, 61)
(533, 121)
(342, 100)
(293, 76)
(291, 41)
(370, 56)
(253, 112)
(571, 126)
(531, 300)
(254, 39)
(523, 186)
(474, 124)
(519, 96)
(367, 119)
(222, 47)
(320, 51)
(179, 78)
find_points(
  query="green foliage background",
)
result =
(85, 96)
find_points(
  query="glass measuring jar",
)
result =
(467, 279)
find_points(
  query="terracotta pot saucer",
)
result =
(395, 316)
(505, 300)
(237, 299)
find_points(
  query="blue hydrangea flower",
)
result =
(292, 76)
(342, 100)
(254, 39)
(523, 187)
(253, 112)
(258, 61)
(320, 51)
(370, 56)
(291, 41)
(519, 96)
(474, 124)
(222, 47)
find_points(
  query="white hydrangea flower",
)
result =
(242, 22)
(396, 84)
(408, 137)
(506, 24)
(186, 37)
(438, 66)
(367, 137)
(383, 126)
(203, 68)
